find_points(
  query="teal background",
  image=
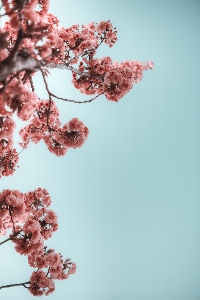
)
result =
(128, 201)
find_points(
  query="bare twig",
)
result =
(16, 284)
(79, 102)
(11, 237)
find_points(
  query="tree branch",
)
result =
(21, 63)
(16, 284)
(64, 99)
(10, 238)
(64, 66)
(79, 102)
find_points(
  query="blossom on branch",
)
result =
(58, 139)
(33, 41)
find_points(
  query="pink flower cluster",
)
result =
(32, 223)
(40, 222)
(7, 127)
(27, 213)
(29, 237)
(17, 97)
(74, 40)
(8, 156)
(11, 209)
(53, 261)
(112, 79)
(42, 282)
(45, 125)
(8, 162)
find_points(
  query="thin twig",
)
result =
(16, 284)
(10, 238)
(64, 99)
(24, 147)
(79, 102)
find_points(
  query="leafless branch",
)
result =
(16, 284)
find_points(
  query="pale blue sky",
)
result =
(128, 201)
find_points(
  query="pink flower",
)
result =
(39, 193)
(53, 259)
(29, 14)
(45, 52)
(51, 216)
(46, 200)
(90, 26)
(41, 284)
(11, 200)
(40, 262)
(72, 269)
(14, 21)
(100, 69)
(102, 26)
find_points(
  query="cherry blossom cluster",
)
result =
(112, 79)
(7, 126)
(18, 97)
(59, 40)
(32, 223)
(76, 41)
(8, 155)
(41, 284)
(8, 163)
(12, 207)
(15, 97)
(27, 213)
(45, 125)
(58, 268)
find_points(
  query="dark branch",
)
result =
(21, 63)
(16, 284)
(79, 102)
(10, 238)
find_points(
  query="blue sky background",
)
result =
(128, 201)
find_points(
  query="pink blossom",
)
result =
(51, 217)
(14, 22)
(41, 284)
(46, 200)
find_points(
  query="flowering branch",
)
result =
(65, 66)
(28, 214)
